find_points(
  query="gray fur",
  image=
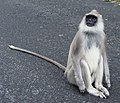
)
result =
(78, 70)
(93, 37)
(83, 41)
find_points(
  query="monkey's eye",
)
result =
(91, 20)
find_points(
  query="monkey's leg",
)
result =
(87, 79)
(99, 78)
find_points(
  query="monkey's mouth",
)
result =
(91, 20)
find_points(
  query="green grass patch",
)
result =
(113, 1)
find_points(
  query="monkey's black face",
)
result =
(91, 20)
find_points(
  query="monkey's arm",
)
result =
(38, 55)
(78, 74)
(76, 64)
(106, 69)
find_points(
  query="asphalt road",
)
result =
(48, 27)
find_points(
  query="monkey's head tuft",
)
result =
(92, 21)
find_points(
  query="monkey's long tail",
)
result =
(38, 55)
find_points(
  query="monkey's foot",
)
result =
(104, 90)
(81, 86)
(95, 92)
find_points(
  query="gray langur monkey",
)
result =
(87, 60)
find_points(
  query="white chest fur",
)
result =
(92, 57)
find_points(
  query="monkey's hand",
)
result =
(82, 87)
(107, 79)
(80, 84)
